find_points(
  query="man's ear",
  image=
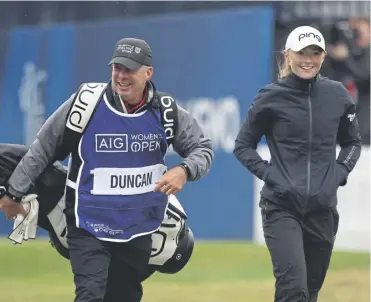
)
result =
(149, 72)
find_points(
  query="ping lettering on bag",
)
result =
(168, 115)
(83, 106)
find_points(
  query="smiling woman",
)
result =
(304, 53)
(303, 115)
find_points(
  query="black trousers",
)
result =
(107, 271)
(300, 249)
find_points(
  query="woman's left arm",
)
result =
(349, 138)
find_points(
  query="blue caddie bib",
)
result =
(122, 157)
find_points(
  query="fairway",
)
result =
(218, 272)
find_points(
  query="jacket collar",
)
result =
(114, 99)
(294, 81)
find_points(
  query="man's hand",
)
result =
(11, 208)
(172, 181)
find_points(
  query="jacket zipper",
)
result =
(309, 144)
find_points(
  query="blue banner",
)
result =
(212, 62)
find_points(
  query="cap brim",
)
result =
(302, 46)
(128, 63)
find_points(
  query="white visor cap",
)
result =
(304, 36)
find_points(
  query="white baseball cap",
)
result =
(304, 36)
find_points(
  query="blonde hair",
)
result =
(284, 68)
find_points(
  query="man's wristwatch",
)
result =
(12, 197)
(186, 169)
(2, 191)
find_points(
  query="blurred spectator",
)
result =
(349, 62)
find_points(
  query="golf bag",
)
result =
(172, 244)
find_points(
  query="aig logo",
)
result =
(111, 143)
(308, 35)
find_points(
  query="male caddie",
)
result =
(117, 188)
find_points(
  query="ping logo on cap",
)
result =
(308, 35)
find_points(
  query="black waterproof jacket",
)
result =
(303, 120)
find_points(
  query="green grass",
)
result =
(218, 272)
